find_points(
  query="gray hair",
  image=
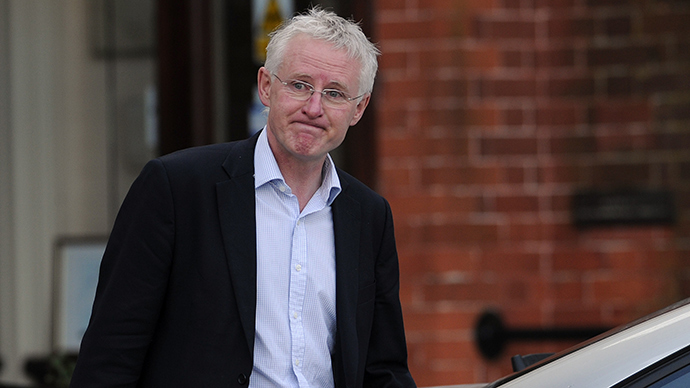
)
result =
(329, 27)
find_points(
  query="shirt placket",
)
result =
(298, 284)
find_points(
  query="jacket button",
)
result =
(242, 379)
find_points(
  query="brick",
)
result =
(509, 261)
(560, 114)
(460, 233)
(674, 141)
(555, 58)
(578, 260)
(514, 175)
(673, 111)
(388, 5)
(621, 112)
(396, 176)
(517, 204)
(576, 315)
(621, 174)
(555, 4)
(479, 57)
(513, 58)
(621, 141)
(617, 26)
(505, 87)
(629, 55)
(639, 288)
(524, 231)
(449, 258)
(673, 22)
(462, 292)
(391, 116)
(429, 204)
(561, 203)
(448, 349)
(393, 60)
(443, 258)
(562, 173)
(418, 29)
(430, 321)
(483, 57)
(485, 116)
(571, 86)
(512, 4)
(513, 29)
(522, 289)
(503, 290)
(448, 88)
(619, 86)
(489, 27)
(682, 49)
(607, 3)
(569, 27)
(573, 145)
(623, 234)
(684, 170)
(665, 82)
(513, 117)
(508, 146)
(466, 176)
(521, 231)
(567, 291)
(406, 89)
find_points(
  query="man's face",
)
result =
(305, 131)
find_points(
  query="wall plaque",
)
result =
(625, 207)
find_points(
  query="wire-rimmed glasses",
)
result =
(302, 91)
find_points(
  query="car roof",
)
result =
(612, 357)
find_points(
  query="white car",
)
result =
(652, 352)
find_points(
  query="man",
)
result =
(258, 262)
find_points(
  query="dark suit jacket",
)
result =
(176, 298)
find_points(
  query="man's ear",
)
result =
(361, 106)
(263, 81)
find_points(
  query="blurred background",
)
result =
(535, 153)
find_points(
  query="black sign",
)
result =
(623, 207)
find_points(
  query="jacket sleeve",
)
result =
(131, 287)
(386, 364)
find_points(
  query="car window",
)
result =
(677, 379)
(671, 372)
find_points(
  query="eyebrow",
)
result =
(336, 84)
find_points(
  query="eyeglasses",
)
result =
(302, 91)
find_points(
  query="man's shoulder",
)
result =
(353, 187)
(214, 161)
(212, 154)
(200, 154)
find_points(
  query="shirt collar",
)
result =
(266, 170)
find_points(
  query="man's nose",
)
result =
(314, 105)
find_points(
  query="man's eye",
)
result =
(299, 86)
(335, 94)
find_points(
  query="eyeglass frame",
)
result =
(323, 92)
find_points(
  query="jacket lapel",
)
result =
(238, 226)
(346, 226)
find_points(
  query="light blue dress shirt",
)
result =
(295, 307)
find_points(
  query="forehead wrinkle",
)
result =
(310, 60)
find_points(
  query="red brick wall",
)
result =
(491, 114)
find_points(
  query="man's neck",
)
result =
(304, 178)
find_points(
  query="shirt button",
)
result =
(295, 315)
(298, 267)
(282, 188)
(297, 362)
